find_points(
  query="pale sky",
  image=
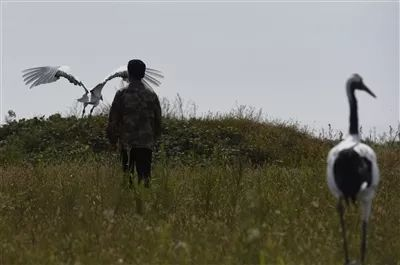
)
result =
(291, 59)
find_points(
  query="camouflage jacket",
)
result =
(135, 117)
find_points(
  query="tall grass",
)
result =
(193, 214)
(226, 189)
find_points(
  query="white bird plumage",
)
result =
(353, 142)
(352, 168)
(49, 74)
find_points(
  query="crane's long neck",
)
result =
(353, 111)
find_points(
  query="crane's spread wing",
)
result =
(150, 78)
(95, 93)
(48, 74)
(119, 72)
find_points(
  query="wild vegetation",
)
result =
(226, 189)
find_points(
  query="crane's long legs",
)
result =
(84, 108)
(340, 209)
(363, 241)
(91, 111)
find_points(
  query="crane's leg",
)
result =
(365, 211)
(91, 111)
(340, 209)
(83, 111)
(363, 241)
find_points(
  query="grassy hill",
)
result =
(225, 190)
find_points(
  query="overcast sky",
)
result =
(290, 59)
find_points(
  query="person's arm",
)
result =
(157, 118)
(114, 119)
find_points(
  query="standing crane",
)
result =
(352, 170)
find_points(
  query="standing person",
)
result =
(135, 122)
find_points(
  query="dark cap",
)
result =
(136, 69)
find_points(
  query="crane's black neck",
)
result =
(353, 111)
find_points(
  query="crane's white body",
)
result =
(353, 142)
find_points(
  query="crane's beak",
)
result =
(366, 89)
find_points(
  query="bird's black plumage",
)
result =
(351, 170)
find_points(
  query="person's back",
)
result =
(135, 122)
(139, 113)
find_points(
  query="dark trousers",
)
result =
(141, 158)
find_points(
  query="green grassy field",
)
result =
(224, 191)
